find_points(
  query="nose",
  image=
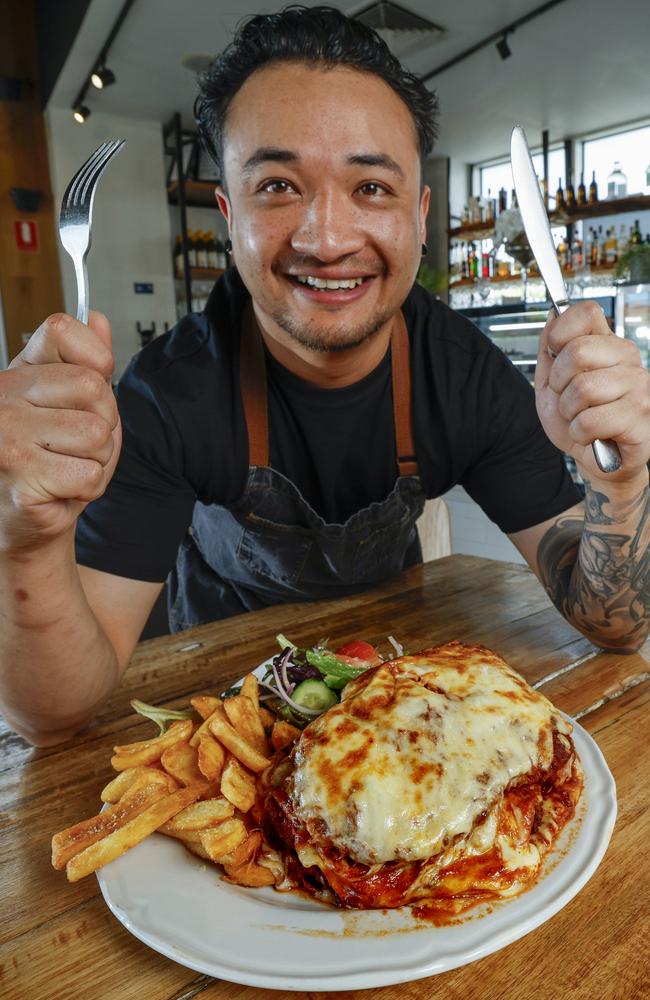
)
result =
(328, 228)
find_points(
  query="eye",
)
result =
(373, 189)
(276, 187)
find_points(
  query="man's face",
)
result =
(323, 184)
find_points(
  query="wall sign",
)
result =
(26, 235)
(143, 287)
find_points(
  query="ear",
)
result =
(424, 211)
(224, 205)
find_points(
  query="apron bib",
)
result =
(271, 547)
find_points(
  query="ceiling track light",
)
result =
(80, 112)
(503, 48)
(102, 77)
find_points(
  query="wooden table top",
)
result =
(59, 940)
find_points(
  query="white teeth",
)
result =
(329, 283)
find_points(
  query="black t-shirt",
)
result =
(185, 438)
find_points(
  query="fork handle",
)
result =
(81, 274)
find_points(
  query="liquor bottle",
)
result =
(503, 200)
(212, 249)
(201, 250)
(178, 257)
(464, 260)
(576, 254)
(562, 253)
(570, 198)
(593, 190)
(582, 191)
(559, 196)
(465, 216)
(191, 248)
(222, 256)
(601, 247)
(513, 199)
(595, 250)
(616, 182)
(485, 269)
(489, 207)
(635, 237)
(623, 241)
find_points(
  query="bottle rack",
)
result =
(187, 190)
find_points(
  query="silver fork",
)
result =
(76, 216)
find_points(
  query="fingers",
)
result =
(75, 433)
(64, 339)
(65, 386)
(61, 477)
(615, 421)
(596, 388)
(583, 319)
(590, 353)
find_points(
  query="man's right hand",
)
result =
(60, 432)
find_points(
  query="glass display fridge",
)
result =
(633, 316)
(515, 328)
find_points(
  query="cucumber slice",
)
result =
(314, 694)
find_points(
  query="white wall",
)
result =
(473, 533)
(132, 237)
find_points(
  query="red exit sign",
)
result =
(26, 235)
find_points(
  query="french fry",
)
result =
(181, 761)
(80, 837)
(251, 689)
(219, 713)
(238, 785)
(186, 836)
(267, 717)
(133, 832)
(201, 815)
(282, 734)
(246, 851)
(212, 757)
(223, 839)
(179, 730)
(237, 745)
(205, 704)
(149, 751)
(120, 786)
(244, 717)
(249, 874)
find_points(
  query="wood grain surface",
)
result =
(59, 940)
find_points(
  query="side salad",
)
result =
(300, 683)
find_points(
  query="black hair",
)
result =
(319, 35)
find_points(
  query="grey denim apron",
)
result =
(271, 547)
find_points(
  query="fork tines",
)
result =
(82, 185)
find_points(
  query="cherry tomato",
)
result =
(358, 651)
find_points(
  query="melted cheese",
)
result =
(415, 760)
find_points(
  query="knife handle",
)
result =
(608, 457)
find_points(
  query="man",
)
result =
(286, 439)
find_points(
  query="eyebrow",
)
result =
(274, 154)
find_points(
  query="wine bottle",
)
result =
(593, 190)
(559, 196)
(582, 191)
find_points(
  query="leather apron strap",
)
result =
(253, 388)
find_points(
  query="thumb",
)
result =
(544, 357)
(100, 325)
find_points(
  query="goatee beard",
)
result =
(342, 338)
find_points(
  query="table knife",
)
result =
(538, 231)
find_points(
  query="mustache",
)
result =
(314, 264)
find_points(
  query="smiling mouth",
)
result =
(329, 284)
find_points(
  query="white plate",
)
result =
(180, 907)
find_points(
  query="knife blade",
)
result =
(538, 232)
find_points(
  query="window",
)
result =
(499, 175)
(630, 148)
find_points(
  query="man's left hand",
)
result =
(595, 387)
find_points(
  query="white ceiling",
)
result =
(581, 66)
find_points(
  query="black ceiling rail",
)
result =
(492, 39)
(103, 52)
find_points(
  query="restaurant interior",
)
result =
(573, 73)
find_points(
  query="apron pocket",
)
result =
(273, 551)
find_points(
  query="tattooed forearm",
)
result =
(597, 570)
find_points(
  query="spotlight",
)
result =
(80, 113)
(102, 77)
(503, 48)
